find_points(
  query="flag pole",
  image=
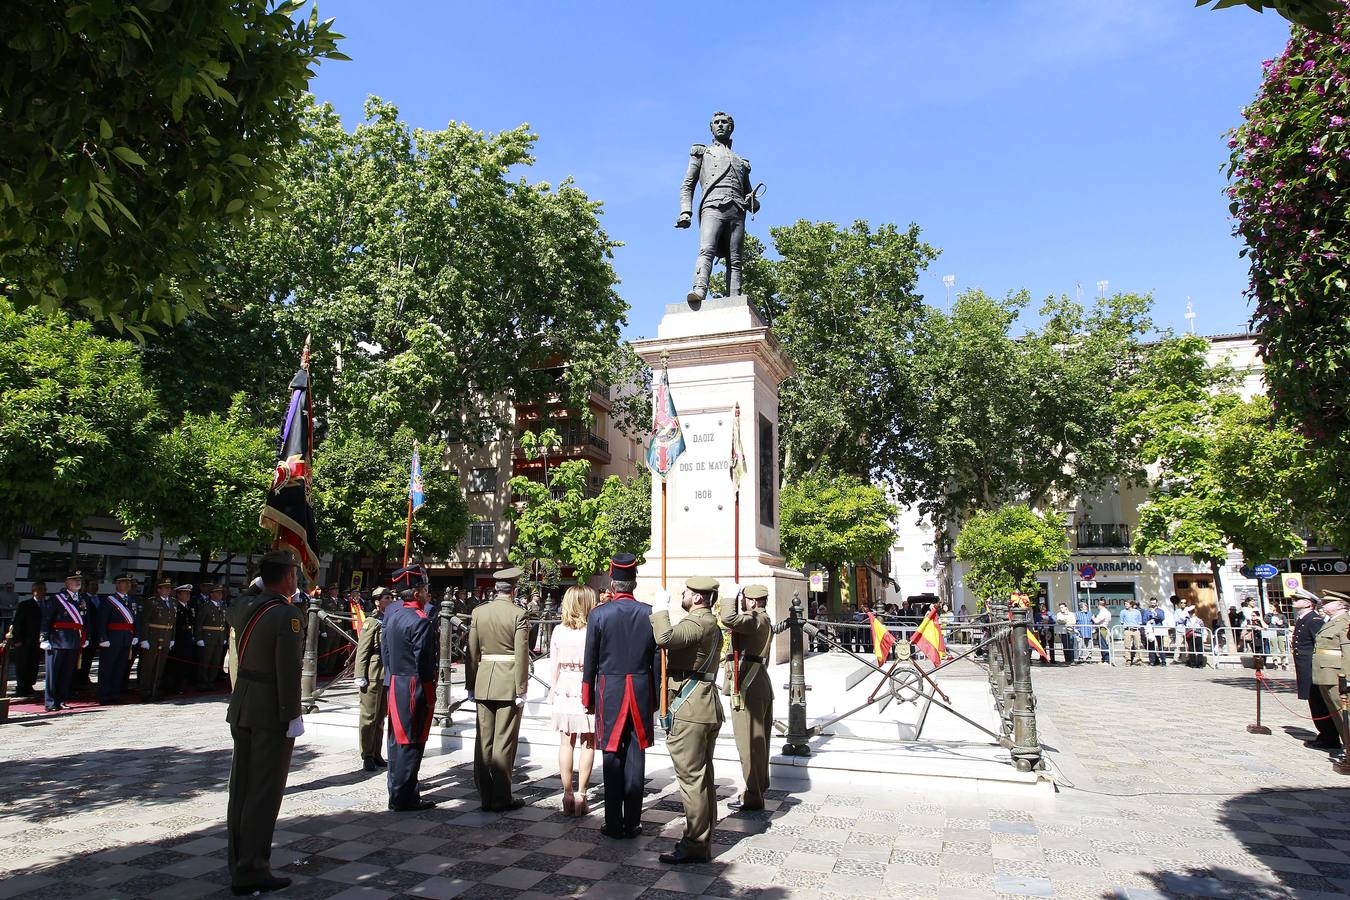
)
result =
(407, 531)
(665, 678)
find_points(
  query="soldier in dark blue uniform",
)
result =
(409, 655)
(64, 634)
(618, 685)
(115, 632)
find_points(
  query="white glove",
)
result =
(85, 644)
(145, 645)
(296, 727)
(520, 703)
(46, 645)
(363, 683)
(170, 645)
(662, 598)
(105, 643)
(201, 643)
(735, 591)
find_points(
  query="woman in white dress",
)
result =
(567, 652)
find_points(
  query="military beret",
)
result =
(755, 591)
(701, 583)
(183, 587)
(1332, 596)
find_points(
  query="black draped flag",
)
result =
(288, 513)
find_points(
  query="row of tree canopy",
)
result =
(161, 281)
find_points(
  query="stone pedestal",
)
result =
(719, 356)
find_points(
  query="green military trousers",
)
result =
(495, 751)
(690, 745)
(751, 726)
(1331, 694)
(262, 759)
(374, 710)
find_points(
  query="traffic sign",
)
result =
(817, 582)
(1087, 584)
(1292, 581)
(1087, 572)
(1266, 570)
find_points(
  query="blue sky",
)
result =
(1038, 143)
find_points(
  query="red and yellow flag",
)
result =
(882, 639)
(928, 639)
(358, 616)
(1036, 645)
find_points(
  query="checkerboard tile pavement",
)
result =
(129, 802)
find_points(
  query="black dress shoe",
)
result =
(271, 883)
(633, 832)
(380, 762)
(370, 765)
(1338, 756)
(612, 835)
(1319, 744)
(742, 806)
(418, 806)
(680, 857)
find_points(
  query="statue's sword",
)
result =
(752, 197)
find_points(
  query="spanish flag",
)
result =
(882, 639)
(358, 616)
(928, 637)
(1036, 645)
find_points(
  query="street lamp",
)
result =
(1190, 315)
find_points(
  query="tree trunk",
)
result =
(75, 549)
(203, 563)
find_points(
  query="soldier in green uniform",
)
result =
(158, 617)
(752, 706)
(370, 681)
(264, 717)
(209, 631)
(694, 712)
(497, 669)
(1329, 660)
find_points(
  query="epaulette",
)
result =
(697, 150)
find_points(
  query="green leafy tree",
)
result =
(132, 132)
(1004, 418)
(1006, 547)
(361, 497)
(834, 520)
(1227, 472)
(210, 478)
(1318, 15)
(626, 512)
(78, 423)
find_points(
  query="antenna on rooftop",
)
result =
(1102, 286)
(948, 281)
(1190, 315)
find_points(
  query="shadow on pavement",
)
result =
(1303, 836)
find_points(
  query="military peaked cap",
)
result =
(1331, 596)
(755, 591)
(125, 576)
(701, 583)
(183, 587)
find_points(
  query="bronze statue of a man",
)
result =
(727, 197)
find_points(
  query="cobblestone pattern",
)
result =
(1166, 795)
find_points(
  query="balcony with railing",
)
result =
(578, 442)
(1109, 536)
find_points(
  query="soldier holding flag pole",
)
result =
(664, 448)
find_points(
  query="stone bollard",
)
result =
(1026, 751)
(444, 617)
(796, 733)
(309, 668)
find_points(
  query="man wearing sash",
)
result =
(618, 685)
(115, 631)
(695, 716)
(265, 720)
(752, 708)
(64, 633)
(409, 650)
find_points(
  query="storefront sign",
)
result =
(1124, 566)
(1325, 566)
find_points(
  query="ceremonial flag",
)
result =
(738, 466)
(288, 513)
(416, 494)
(358, 616)
(1036, 645)
(882, 639)
(667, 441)
(928, 637)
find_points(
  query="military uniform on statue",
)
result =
(265, 720)
(752, 706)
(497, 671)
(618, 685)
(694, 716)
(64, 633)
(409, 650)
(115, 632)
(369, 676)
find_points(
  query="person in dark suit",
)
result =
(410, 673)
(64, 634)
(618, 686)
(180, 669)
(24, 636)
(265, 719)
(89, 602)
(115, 633)
(1306, 625)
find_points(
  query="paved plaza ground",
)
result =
(1162, 793)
